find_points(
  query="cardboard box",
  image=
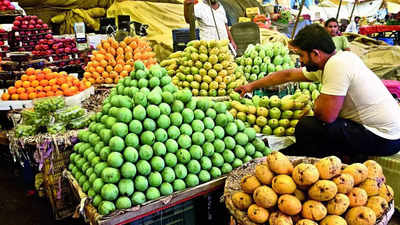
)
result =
(251, 12)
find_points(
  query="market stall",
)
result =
(389, 33)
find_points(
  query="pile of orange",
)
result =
(114, 60)
(44, 83)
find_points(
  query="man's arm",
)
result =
(230, 37)
(186, 5)
(275, 78)
(327, 107)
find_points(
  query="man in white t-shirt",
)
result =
(354, 114)
(205, 19)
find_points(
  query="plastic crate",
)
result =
(182, 214)
(181, 37)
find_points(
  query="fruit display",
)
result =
(204, 67)
(59, 52)
(27, 31)
(44, 83)
(271, 115)
(279, 192)
(6, 5)
(114, 60)
(260, 60)
(151, 140)
(50, 115)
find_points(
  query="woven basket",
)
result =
(232, 185)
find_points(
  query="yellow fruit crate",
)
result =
(391, 169)
(244, 19)
(253, 11)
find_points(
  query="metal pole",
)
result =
(192, 22)
(298, 18)
(338, 10)
(352, 11)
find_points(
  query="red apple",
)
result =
(37, 47)
(33, 22)
(27, 18)
(34, 17)
(17, 23)
(19, 18)
(3, 8)
(25, 22)
(21, 49)
(49, 36)
(39, 21)
(44, 26)
(67, 50)
(38, 26)
(31, 26)
(11, 7)
(23, 26)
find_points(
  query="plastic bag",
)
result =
(56, 128)
(79, 123)
(70, 113)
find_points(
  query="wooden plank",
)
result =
(138, 212)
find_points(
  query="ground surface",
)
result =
(16, 208)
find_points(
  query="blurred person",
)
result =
(341, 42)
(354, 26)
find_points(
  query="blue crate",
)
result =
(182, 214)
(389, 41)
(181, 37)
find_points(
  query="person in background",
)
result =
(354, 115)
(332, 27)
(202, 13)
(354, 25)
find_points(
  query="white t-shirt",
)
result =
(367, 101)
(202, 12)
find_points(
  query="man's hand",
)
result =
(244, 89)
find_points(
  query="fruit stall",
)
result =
(116, 135)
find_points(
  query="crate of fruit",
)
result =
(299, 190)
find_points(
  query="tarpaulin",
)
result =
(69, 18)
(67, 4)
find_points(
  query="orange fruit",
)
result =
(128, 56)
(63, 73)
(30, 71)
(114, 44)
(120, 57)
(96, 63)
(26, 84)
(23, 96)
(92, 81)
(18, 84)
(20, 90)
(32, 77)
(88, 84)
(106, 45)
(113, 74)
(92, 69)
(48, 76)
(121, 62)
(41, 94)
(122, 44)
(61, 80)
(99, 80)
(49, 93)
(32, 95)
(30, 90)
(99, 69)
(87, 75)
(39, 89)
(68, 92)
(108, 80)
(34, 83)
(108, 57)
(37, 71)
(109, 69)
(64, 86)
(112, 51)
(44, 83)
(118, 68)
(113, 63)
(105, 74)
(39, 77)
(124, 73)
(133, 45)
(47, 88)
(99, 57)
(128, 68)
(59, 93)
(116, 80)
(128, 49)
(52, 82)
(14, 97)
(24, 77)
(103, 63)
(130, 62)
(46, 70)
(5, 96)
(12, 90)
(55, 87)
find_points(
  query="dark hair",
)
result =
(330, 21)
(314, 36)
(357, 17)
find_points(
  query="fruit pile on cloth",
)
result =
(273, 115)
(150, 140)
(309, 194)
(260, 60)
(206, 68)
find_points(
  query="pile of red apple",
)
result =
(3, 42)
(29, 23)
(60, 52)
(6, 5)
